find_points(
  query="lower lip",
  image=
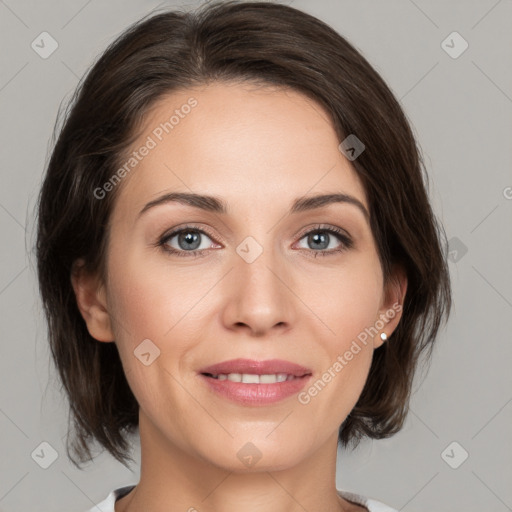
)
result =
(256, 394)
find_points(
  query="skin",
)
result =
(257, 148)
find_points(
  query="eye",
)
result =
(320, 238)
(192, 241)
(186, 241)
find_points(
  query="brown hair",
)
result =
(262, 42)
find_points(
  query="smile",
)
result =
(251, 378)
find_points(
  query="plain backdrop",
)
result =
(454, 452)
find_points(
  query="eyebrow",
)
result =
(217, 205)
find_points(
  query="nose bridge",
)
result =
(261, 298)
(257, 263)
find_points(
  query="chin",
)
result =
(256, 455)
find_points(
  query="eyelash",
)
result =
(346, 242)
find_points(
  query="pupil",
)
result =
(190, 238)
(320, 238)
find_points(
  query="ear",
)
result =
(392, 304)
(91, 300)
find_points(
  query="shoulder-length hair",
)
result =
(260, 42)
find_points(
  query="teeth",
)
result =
(268, 379)
(250, 378)
(247, 378)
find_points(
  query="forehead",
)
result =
(253, 146)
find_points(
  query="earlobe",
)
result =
(392, 308)
(91, 301)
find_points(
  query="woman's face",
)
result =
(267, 281)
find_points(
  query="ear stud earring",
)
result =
(383, 336)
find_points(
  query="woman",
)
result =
(237, 258)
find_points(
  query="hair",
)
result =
(257, 42)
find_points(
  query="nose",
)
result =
(259, 295)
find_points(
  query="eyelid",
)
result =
(323, 227)
(341, 234)
(192, 227)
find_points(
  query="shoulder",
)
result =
(371, 504)
(107, 505)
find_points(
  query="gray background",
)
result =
(461, 111)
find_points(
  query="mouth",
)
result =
(255, 383)
(252, 378)
(243, 370)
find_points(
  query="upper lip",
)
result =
(270, 366)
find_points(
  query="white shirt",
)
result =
(107, 505)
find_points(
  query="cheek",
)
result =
(347, 299)
(349, 310)
(148, 302)
(144, 301)
(146, 313)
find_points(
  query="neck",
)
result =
(173, 479)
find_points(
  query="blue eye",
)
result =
(321, 238)
(189, 241)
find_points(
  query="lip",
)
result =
(268, 366)
(256, 394)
